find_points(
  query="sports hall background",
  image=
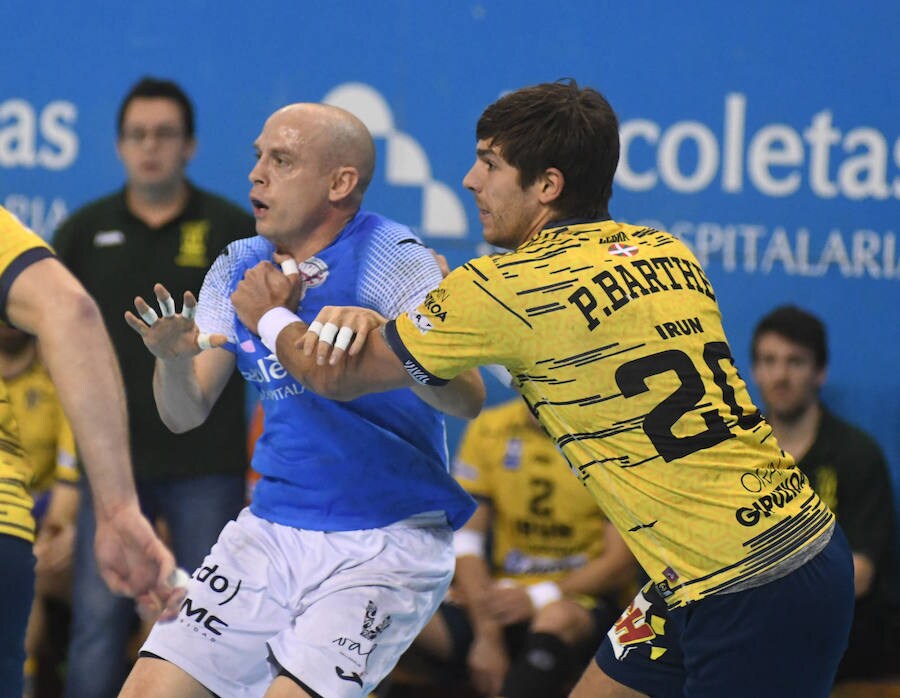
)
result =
(768, 136)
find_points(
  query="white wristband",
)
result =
(272, 322)
(543, 593)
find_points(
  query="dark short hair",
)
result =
(558, 124)
(154, 88)
(798, 326)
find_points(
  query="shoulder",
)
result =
(849, 437)
(384, 231)
(246, 251)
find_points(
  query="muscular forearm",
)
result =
(374, 369)
(462, 397)
(89, 385)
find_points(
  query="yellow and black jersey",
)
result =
(614, 338)
(44, 430)
(544, 522)
(19, 248)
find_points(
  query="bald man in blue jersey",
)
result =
(345, 551)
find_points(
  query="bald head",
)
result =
(338, 137)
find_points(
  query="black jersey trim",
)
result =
(412, 366)
(11, 273)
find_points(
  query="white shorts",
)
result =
(335, 609)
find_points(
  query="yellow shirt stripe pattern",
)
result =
(544, 522)
(643, 398)
(16, 246)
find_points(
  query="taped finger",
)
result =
(203, 341)
(149, 315)
(289, 266)
(167, 306)
(314, 327)
(343, 338)
(329, 330)
(188, 311)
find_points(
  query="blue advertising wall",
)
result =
(768, 136)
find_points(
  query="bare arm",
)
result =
(47, 301)
(187, 381)
(488, 659)
(368, 364)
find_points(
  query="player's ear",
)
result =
(343, 183)
(551, 183)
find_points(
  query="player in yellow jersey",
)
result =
(524, 619)
(49, 445)
(39, 296)
(614, 338)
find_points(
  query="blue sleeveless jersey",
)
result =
(328, 465)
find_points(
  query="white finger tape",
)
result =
(167, 306)
(343, 338)
(149, 316)
(315, 327)
(179, 578)
(188, 311)
(289, 266)
(329, 330)
(203, 341)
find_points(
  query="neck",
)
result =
(157, 205)
(304, 246)
(16, 363)
(796, 434)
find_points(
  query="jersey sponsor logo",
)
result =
(267, 370)
(219, 583)
(314, 272)
(354, 677)
(192, 245)
(433, 303)
(417, 373)
(784, 492)
(109, 238)
(200, 620)
(609, 239)
(620, 250)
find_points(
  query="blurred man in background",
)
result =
(847, 470)
(158, 226)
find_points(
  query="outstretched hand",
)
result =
(172, 336)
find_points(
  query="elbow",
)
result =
(179, 426)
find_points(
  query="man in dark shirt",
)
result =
(158, 226)
(847, 470)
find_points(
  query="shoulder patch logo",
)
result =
(314, 272)
(620, 250)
